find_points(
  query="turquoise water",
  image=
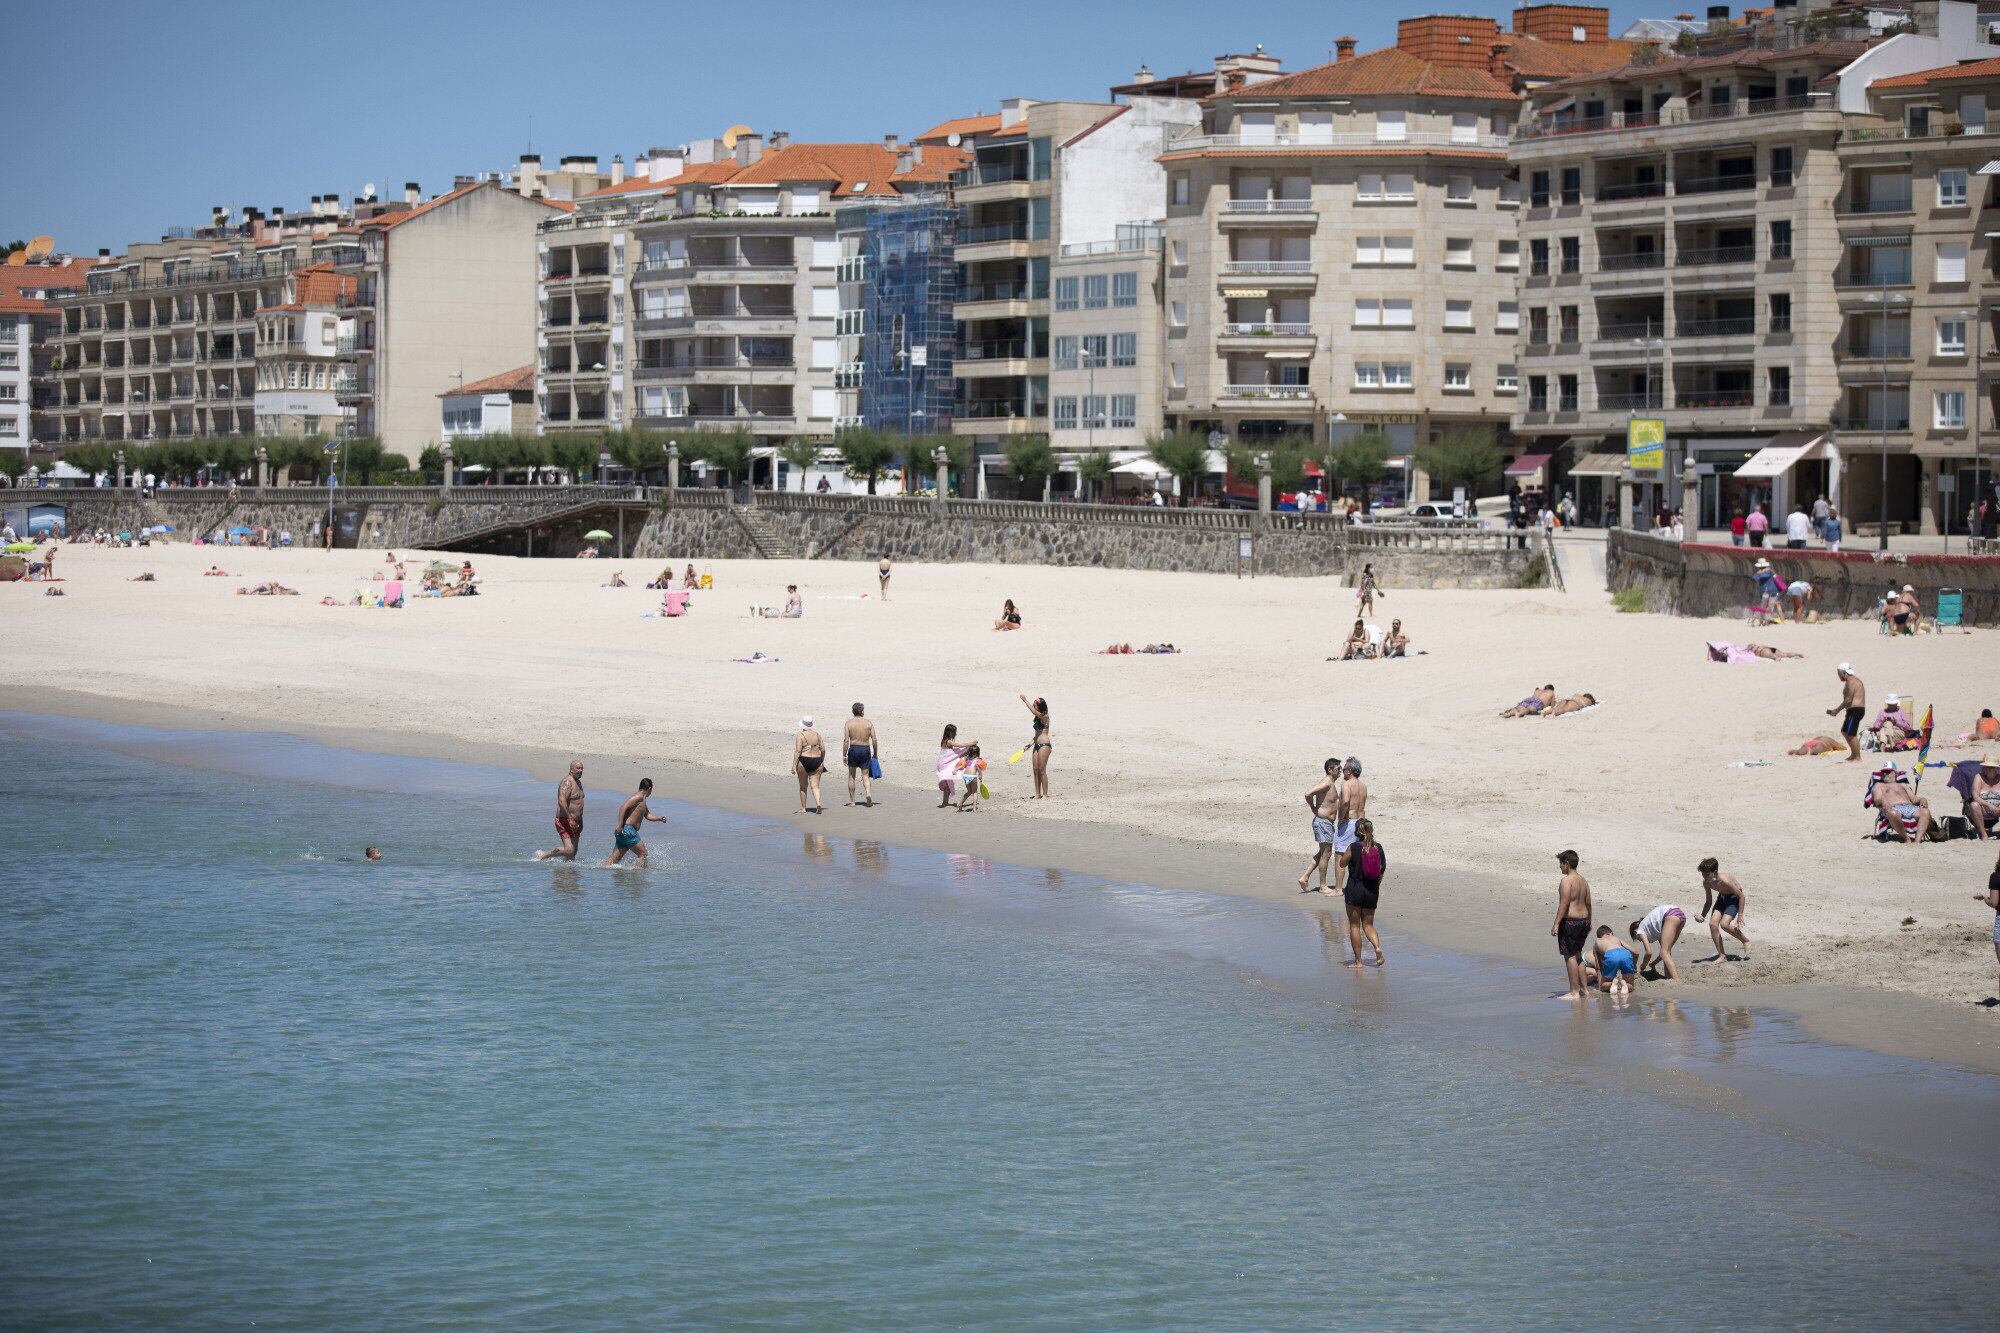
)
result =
(813, 1082)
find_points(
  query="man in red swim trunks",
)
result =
(569, 814)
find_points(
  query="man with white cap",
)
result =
(1892, 725)
(1854, 702)
(1767, 583)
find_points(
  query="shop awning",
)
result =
(1876, 242)
(1599, 465)
(1242, 293)
(1776, 458)
(1531, 462)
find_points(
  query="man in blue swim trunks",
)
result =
(1725, 896)
(1615, 964)
(1324, 802)
(631, 816)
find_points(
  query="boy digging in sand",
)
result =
(1615, 963)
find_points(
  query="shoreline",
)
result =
(1884, 1022)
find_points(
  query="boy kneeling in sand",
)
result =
(1616, 964)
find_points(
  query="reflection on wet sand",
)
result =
(871, 856)
(817, 847)
(1732, 1023)
(968, 867)
(565, 879)
(1052, 877)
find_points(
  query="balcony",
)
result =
(1713, 400)
(353, 343)
(998, 291)
(1285, 143)
(1871, 206)
(1004, 349)
(1637, 261)
(1620, 121)
(1611, 194)
(1710, 256)
(1265, 329)
(697, 366)
(1744, 326)
(1268, 209)
(1630, 402)
(1716, 184)
(992, 233)
(1268, 393)
(992, 409)
(1267, 268)
(1630, 332)
(1899, 276)
(991, 174)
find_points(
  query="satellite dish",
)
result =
(732, 134)
(41, 248)
(18, 259)
(953, 138)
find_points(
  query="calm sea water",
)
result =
(813, 1082)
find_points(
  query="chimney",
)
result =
(1143, 74)
(413, 193)
(1496, 63)
(1343, 50)
(103, 253)
(1449, 39)
(1718, 12)
(529, 178)
(889, 142)
(749, 147)
(617, 169)
(582, 163)
(666, 162)
(1558, 23)
(780, 139)
(906, 161)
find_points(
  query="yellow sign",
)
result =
(1646, 445)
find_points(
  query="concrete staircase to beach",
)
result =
(770, 544)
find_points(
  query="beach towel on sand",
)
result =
(1723, 651)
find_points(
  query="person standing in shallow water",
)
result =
(858, 736)
(569, 815)
(1363, 890)
(632, 816)
(1572, 927)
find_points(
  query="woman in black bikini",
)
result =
(1042, 745)
(808, 759)
(1009, 617)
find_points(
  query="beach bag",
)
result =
(874, 767)
(1373, 861)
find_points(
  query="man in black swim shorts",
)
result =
(1853, 698)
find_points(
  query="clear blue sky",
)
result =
(127, 118)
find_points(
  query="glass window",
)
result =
(1391, 126)
(1781, 166)
(1951, 187)
(1038, 219)
(1177, 375)
(1367, 249)
(1458, 252)
(1951, 337)
(1124, 349)
(1781, 312)
(1572, 254)
(1399, 250)
(1367, 375)
(1972, 112)
(1395, 374)
(1951, 261)
(1177, 314)
(1367, 312)
(1778, 380)
(1093, 411)
(1781, 239)
(1096, 289)
(1124, 411)
(1566, 393)
(1509, 316)
(1180, 189)
(1401, 188)
(1040, 153)
(1949, 408)
(1093, 351)
(1458, 376)
(1464, 127)
(1538, 190)
(1064, 414)
(1510, 256)
(1458, 314)
(1065, 293)
(1125, 288)
(1180, 254)
(1572, 185)
(1506, 379)
(1368, 185)
(1399, 312)
(1509, 194)
(1458, 190)
(1064, 357)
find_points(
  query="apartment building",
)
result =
(445, 292)
(1044, 175)
(1106, 337)
(1698, 251)
(1915, 223)
(1341, 248)
(30, 338)
(299, 379)
(502, 404)
(897, 339)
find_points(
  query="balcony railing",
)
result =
(1879, 351)
(991, 409)
(1875, 421)
(999, 291)
(1265, 329)
(1890, 277)
(1744, 326)
(1630, 402)
(1267, 206)
(1282, 142)
(1638, 259)
(1638, 331)
(1716, 184)
(1892, 203)
(993, 174)
(1641, 120)
(1712, 400)
(997, 231)
(999, 350)
(1707, 256)
(1267, 268)
(1275, 392)
(1607, 194)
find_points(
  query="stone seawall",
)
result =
(1692, 579)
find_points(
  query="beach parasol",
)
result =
(597, 535)
(163, 527)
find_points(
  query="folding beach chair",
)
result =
(1951, 608)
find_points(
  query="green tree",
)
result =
(92, 458)
(640, 450)
(1359, 459)
(13, 462)
(728, 451)
(1289, 454)
(801, 452)
(867, 453)
(363, 455)
(431, 461)
(1095, 469)
(1184, 454)
(575, 451)
(958, 454)
(1031, 460)
(1466, 455)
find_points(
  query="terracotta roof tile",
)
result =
(1392, 71)
(67, 276)
(1972, 69)
(632, 185)
(965, 127)
(13, 303)
(508, 381)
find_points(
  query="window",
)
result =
(1124, 411)
(1179, 254)
(1464, 127)
(1948, 409)
(1458, 252)
(1095, 291)
(1367, 375)
(1538, 326)
(1401, 189)
(1572, 254)
(1781, 312)
(1565, 393)
(1181, 189)
(1124, 349)
(1391, 126)
(1951, 187)
(1368, 185)
(1396, 375)
(1458, 377)
(10, 426)
(1781, 167)
(1951, 261)
(1538, 190)
(1093, 411)
(1316, 127)
(1510, 257)
(1177, 375)
(1972, 112)
(1367, 313)
(1951, 337)
(1509, 193)
(1778, 386)
(825, 253)
(1064, 357)
(825, 404)
(1578, 33)
(1781, 240)
(1093, 351)
(1538, 393)
(1506, 379)
(1398, 312)
(1458, 191)
(1571, 322)
(1367, 249)
(1125, 288)
(1399, 250)
(1064, 414)
(825, 302)
(1177, 314)
(8, 392)
(1458, 314)
(1509, 317)
(805, 199)
(1538, 256)
(1065, 293)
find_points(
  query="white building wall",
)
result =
(1111, 176)
(16, 395)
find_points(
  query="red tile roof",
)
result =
(12, 303)
(965, 127)
(508, 381)
(397, 219)
(1392, 71)
(1971, 69)
(631, 185)
(67, 276)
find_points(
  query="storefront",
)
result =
(1594, 480)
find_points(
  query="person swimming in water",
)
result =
(631, 817)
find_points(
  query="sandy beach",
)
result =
(1167, 770)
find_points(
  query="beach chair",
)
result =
(1950, 609)
(1882, 831)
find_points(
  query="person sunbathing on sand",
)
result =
(1397, 644)
(269, 589)
(1821, 745)
(1574, 704)
(142, 578)
(665, 579)
(215, 572)
(691, 583)
(1010, 618)
(1356, 644)
(617, 579)
(1533, 705)
(1768, 653)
